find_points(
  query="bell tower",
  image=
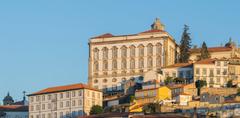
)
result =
(157, 25)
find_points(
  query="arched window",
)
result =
(104, 80)
(159, 61)
(96, 66)
(124, 51)
(105, 53)
(141, 63)
(132, 51)
(149, 49)
(150, 62)
(132, 64)
(114, 64)
(159, 49)
(114, 80)
(124, 64)
(95, 81)
(114, 52)
(96, 54)
(141, 50)
(105, 65)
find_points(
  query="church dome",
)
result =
(8, 100)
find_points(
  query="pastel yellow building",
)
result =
(153, 95)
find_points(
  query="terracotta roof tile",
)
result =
(179, 65)
(14, 108)
(63, 88)
(152, 31)
(211, 49)
(206, 61)
(107, 35)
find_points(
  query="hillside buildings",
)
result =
(228, 51)
(11, 109)
(63, 101)
(14, 111)
(213, 71)
(114, 59)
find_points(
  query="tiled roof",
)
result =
(179, 65)
(14, 108)
(184, 94)
(63, 88)
(107, 35)
(176, 86)
(206, 61)
(152, 31)
(211, 49)
(146, 89)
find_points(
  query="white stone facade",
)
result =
(214, 73)
(63, 104)
(114, 59)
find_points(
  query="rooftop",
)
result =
(211, 49)
(206, 61)
(178, 65)
(63, 88)
(16, 108)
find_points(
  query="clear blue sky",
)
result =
(44, 43)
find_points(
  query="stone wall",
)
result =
(220, 91)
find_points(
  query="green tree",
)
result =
(178, 80)
(168, 80)
(96, 109)
(199, 84)
(185, 45)
(204, 51)
(150, 108)
(229, 84)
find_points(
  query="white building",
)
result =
(63, 101)
(14, 111)
(178, 70)
(113, 59)
(213, 71)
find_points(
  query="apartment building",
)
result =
(178, 70)
(213, 71)
(113, 59)
(63, 101)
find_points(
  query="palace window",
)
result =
(104, 80)
(105, 65)
(124, 64)
(95, 81)
(114, 80)
(150, 62)
(124, 51)
(150, 49)
(218, 71)
(159, 49)
(132, 51)
(114, 52)
(132, 64)
(197, 71)
(105, 53)
(141, 50)
(96, 54)
(114, 64)
(204, 71)
(96, 66)
(159, 61)
(141, 63)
